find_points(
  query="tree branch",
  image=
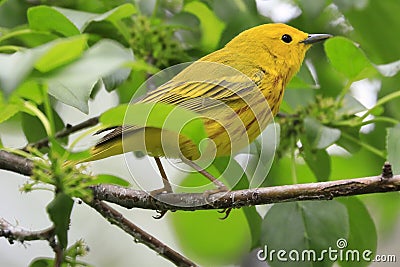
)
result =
(130, 198)
(65, 132)
(114, 217)
(15, 163)
(18, 164)
(14, 233)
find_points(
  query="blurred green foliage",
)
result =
(45, 44)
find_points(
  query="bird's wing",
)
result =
(197, 96)
(203, 95)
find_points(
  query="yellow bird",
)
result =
(236, 90)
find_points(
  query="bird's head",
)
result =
(276, 44)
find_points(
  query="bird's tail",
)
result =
(100, 151)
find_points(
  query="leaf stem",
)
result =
(368, 147)
(48, 110)
(15, 33)
(382, 101)
(13, 48)
(379, 119)
(156, 6)
(40, 115)
(358, 122)
(344, 91)
(293, 162)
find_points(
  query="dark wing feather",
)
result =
(195, 96)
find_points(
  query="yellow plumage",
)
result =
(237, 90)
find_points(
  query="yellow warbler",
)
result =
(236, 91)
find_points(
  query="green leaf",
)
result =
(109, 179)
(29, 37)
(73, 83)
(56, 149)
(368, 23)
(386, 219)
(78, 249)
(70, 22)
(348, 134)
(348, 59)
(116, 78)
(350, 106)
(296, 82)
(362, 234)
(299, 98)
(319, 162)
(47, 18)
(300, 226)
(13, 13)
(129, 89)
(231, 169)
(187, 26)
(118, 13)
(158, 115)
(260, 161)
(77, 156)
(318, 135)
(30, 122)
(15, 67)
(61, 52)
(29, 90)
(393, 148)
(59, 210)
(211, 26)
(7, 111)
(42, 262)
(377, 110)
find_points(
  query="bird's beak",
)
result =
(314, 38)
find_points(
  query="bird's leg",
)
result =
(167, 188)
(221, 187)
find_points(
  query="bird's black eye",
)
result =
(286, 38)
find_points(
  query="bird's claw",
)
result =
(227, 211)
(160, 214)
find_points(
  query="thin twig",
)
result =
(58, 251)
(15, 233)
(140, 236)
(15, 163)
(18, 164)
(65, 132)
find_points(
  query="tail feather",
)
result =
(105, 150)
(100, 151)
